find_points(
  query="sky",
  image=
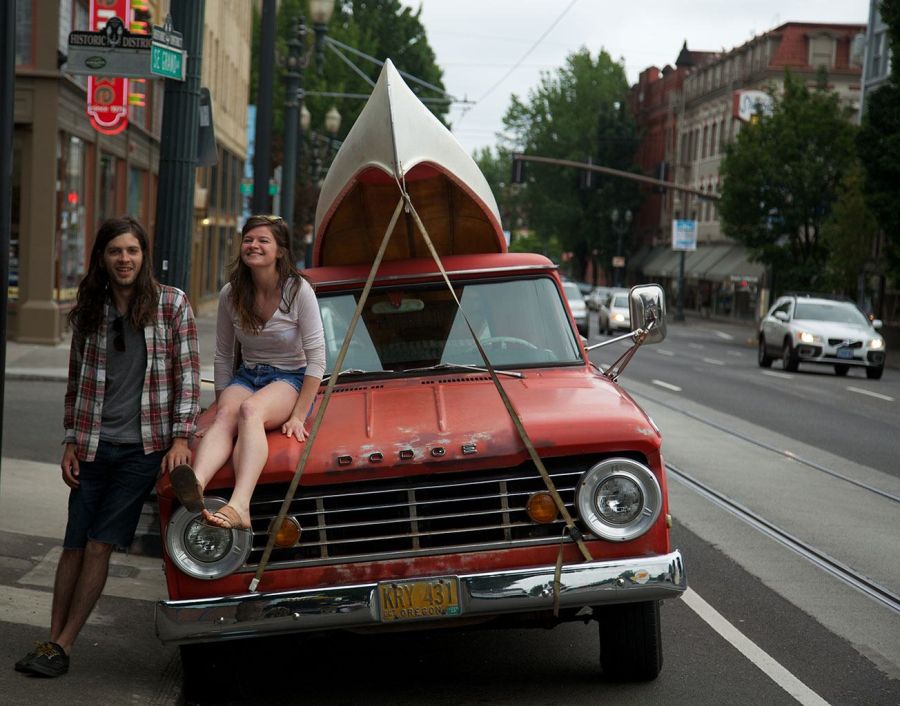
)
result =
(479, 42)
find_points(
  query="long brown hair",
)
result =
(243, 289)
(90, 301)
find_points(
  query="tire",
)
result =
(840, 369)
(630, 641)
(762, 357)
(874, 373)
(789, 358)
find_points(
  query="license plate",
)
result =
(844, 352)
(418, 600)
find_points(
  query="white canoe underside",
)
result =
(397, 140)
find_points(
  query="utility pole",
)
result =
(7, 120)
(178, 153)
(293, 88)
(262, 154)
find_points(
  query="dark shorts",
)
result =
(257, 377)
(106, 507)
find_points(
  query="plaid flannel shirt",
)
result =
(170, 400)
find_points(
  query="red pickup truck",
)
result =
(420, 501)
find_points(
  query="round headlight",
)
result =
(618, 499)
(202, 551)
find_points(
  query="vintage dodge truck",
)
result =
(472, 465)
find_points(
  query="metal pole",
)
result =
(7, 127)
(262, 157)
(293, 85)
(178, 154)
(619, 230)
(679, 301)
(314, 166)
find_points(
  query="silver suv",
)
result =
(808, 329)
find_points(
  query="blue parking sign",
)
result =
(684, 235)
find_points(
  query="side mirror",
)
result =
(877, 323)
(647, 306)
(781, 316)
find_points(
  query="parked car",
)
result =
(614, 314)
(597, 297)
(422, 497)
(808, 329)
(578, 306)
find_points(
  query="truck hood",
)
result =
(457, 422)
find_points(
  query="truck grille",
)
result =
(462, 512)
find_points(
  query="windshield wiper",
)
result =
(462, 366)
(356, 371)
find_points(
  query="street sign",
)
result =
(247, 187)
(618, 261)
(684, 235)
(111, 51)
(166, 55)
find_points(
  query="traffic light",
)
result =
(518, 170)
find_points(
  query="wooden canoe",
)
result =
(397, 140)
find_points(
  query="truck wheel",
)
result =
(789, 358)
(630, 641)
(840, 369)
(763, 358)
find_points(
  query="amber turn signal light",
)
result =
(288, 534)
(541, 508)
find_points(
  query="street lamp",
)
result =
(320, 11)
(619, 228)
(295, 63)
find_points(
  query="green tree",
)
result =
(576, 112)
(849, 234)
(781, 179)
(879, 145)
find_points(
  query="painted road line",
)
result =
(27, 606)
(696, 345)
(772, 669)
(713, 361)
(663, 352)
(861, 391)
(776, 374)
(673, 388)
(723, 335)
(736, 354)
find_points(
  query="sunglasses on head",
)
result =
(118, 327)
(270, 219)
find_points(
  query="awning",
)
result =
(735, 265)
(660, 262)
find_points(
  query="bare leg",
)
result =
(67, 572)
(265, 409)
(217, 443)
(89, 586)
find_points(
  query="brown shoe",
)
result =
(187, 487)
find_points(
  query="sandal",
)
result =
(228, 518)
(187, 487)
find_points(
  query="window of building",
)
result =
(137, 189)
(877, 65)
(821, 51)
(722, 136)
(24, 33)
(704, 145)
(16, 189)
(712, 141)
(71, 199)
(106, 202)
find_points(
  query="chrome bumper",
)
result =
(482, 594)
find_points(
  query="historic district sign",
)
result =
(110, 55)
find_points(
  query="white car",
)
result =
(577, 305)
(614, 314)
(806, 329)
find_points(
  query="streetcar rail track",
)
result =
(774, 449)
(829, 564)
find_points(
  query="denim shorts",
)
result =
(106, 507)
(257, 377)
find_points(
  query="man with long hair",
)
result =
(131, 402)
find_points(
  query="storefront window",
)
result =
(137, 187)
(16, 211)
(24, 32)
(71, 225)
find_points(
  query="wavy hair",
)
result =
(243, 289)
(93, 290)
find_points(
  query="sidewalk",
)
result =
(35, 361)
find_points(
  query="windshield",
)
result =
(620, 301)
(837, 312)
(519, 323)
